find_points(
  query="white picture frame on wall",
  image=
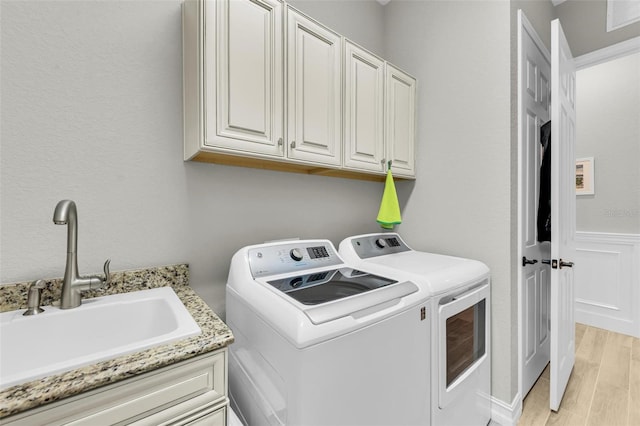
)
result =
(584, 176)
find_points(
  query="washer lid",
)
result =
(358, 305)
(337, 293)
(330, 285)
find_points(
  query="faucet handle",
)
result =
(95, 282)
(107, 274)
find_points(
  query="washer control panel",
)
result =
(291, 256)
(378, 245)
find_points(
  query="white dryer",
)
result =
(318, 342)
(461, 344)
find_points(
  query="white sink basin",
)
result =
(58, 340)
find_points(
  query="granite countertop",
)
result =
(215, 335)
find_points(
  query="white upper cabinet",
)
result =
(248, 64)
(314, 113)
(238, 63)
(400, 121)
(379, 115)
(363, 110)
(267, 86)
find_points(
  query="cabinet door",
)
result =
(151, 399)
(314, 91)
(244, 75)
(363, 110)
(400, 121)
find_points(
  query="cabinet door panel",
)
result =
(149, 399)
(248, 88)
(400, 104)
(364, 109)
(314, 92)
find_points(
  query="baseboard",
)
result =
(506, 414)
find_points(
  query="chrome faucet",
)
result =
(66, 214)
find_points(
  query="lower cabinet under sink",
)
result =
(190, 392)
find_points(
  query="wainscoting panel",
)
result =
(607, 277)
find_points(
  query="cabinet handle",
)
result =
(280, 142)
(293, 144)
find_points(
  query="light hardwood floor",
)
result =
(604, 387)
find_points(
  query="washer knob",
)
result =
(381, 243)
(296, 254)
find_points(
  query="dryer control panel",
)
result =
(378, 245)
(291, 256)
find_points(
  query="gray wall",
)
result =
(361, 21)
(608, 129)
(92, 111)
(540, 13)
(585, 25)
(460, 204)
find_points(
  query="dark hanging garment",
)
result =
(544, 201)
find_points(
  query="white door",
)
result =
(534, 89)
(244, 50)
(314, 66)
(363, 109)
(563, 212)
(400, 118)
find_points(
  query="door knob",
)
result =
(546, 261)
(526, 261)
(565, 264)
(559, 264)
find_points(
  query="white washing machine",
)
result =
(318, 342)
(461, 344)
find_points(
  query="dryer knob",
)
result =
(296, 254)
(381, 243)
